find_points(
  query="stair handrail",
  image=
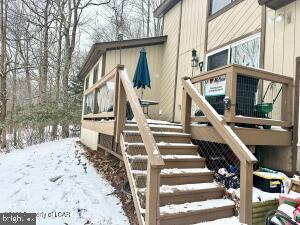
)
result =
(153, 152)
(155, 161)
(247, 159)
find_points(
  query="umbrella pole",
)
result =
(142, 93)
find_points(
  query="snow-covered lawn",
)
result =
(46, 179)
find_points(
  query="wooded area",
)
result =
(41, 53)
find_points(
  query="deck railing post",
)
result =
(231, 86)
(186, 108)
(120, 117)
(152, 195)
(246, 189)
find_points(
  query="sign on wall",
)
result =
(215, 86)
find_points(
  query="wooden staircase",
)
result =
(169, 181)
(187, 193)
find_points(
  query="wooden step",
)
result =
(196, 212)
(234, 220)
(156, 127)
(167, 137)
(176, 176)
(164, 148)
(139, 162)
(178, 194)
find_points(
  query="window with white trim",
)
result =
(245, 52)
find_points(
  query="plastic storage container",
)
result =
(268, 182)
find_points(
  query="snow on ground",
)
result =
(46, 179)
(258, 195)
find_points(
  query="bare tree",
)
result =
(71, 12)
(3, 70)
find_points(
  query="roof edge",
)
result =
(164, 7)
(275, 4)
(99, 48)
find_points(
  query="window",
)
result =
(217, 60)
(245, 52)
(216, 5)
(95, 74)
(89, 104)
(87, 83)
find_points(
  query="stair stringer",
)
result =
(131, 181)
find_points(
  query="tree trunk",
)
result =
(70, 39)
(148, 19)
(45, 52)
(44, 65)
(65, 82)
(14, 100)
(3, 72)
(57, 76)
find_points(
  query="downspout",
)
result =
(263, 36)
(296, 117)
(206, 33)
(262, 49)
(177, 60)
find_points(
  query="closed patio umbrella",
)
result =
(141, 77)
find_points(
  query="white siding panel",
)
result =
(89, 138)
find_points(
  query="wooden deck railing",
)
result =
(124, 93)
(190, 93)
(155, 161)
(94, 89)
(283, 107)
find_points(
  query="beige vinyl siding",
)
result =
(130, 58)
(283, 39)
(240, 20)
(168, 71)
(282, 46)
(192, 36)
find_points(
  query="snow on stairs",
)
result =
(159, 136)
(188, 194)
(193, 212)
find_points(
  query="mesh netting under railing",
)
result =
(251, 93)
(254, 98)
(219, 156)
(220, 159)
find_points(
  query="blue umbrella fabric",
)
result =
(141, 77)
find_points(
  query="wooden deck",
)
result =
(275, 136)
